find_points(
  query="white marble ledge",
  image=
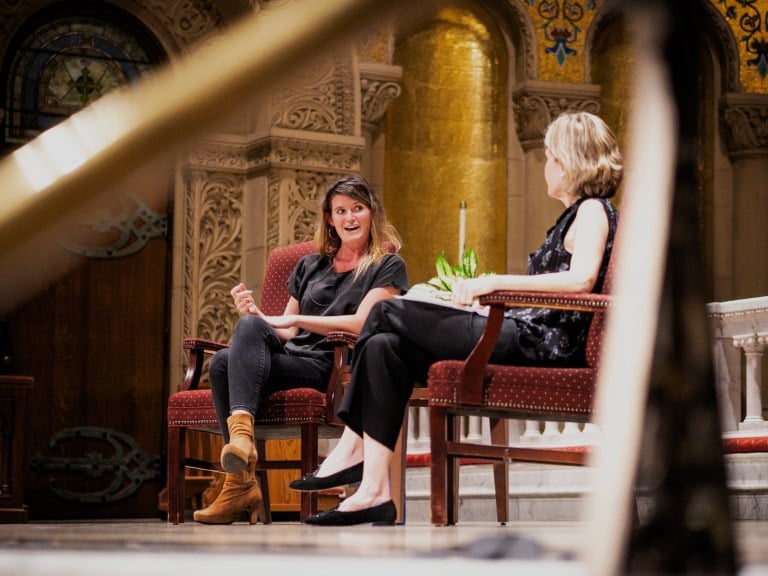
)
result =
(758, 433)
(738, 317)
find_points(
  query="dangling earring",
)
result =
(331, 231)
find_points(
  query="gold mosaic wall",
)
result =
(447, 141)
(748, 20)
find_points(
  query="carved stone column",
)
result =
(753, 346)
(744, 120)
(379, 85)
(535, 105)
(736, 326)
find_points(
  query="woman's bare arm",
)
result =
(585, 240)
(291, 321)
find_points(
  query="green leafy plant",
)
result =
(441, 285)
(447, 274)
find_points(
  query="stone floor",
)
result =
(152, 547)
(544, 536)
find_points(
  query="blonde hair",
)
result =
(588, 152)
(383, 238)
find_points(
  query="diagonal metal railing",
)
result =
(82, 157)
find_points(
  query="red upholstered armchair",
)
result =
(474, 387)
(299, 413)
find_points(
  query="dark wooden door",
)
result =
(95, 343)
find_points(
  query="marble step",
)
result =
(547, 492)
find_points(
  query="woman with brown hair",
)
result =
(331, 290)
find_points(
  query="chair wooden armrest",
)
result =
(471, 389)
(575, 301)
(348, 338)
(337, 384)
(198, 348)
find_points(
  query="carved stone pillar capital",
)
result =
(744, 120)
(536, 104)
(379, 85)
(281, 149)
(751, 343)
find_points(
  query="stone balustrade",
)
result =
(739, 330)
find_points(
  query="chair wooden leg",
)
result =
(176, 441)
(309, 463)
(453, 428)
(438, 464)
(263, 479)
(397, 471)
(500, 437)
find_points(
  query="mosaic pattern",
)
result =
(561, 27)
(748, 21)
(560, 32)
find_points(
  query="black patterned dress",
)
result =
(557, 336)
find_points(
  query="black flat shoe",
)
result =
(311, 483)
(381, 515)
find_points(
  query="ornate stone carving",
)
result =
(536, 104)
(310, 154)
(275, 152)
(293, 204)
(273, 211)
(218, 156)
(378, 87)
(745, 123)
(186, 20)
(525, 40)
(376, 95)
(303, 204)
(212, 262)
(320, 98)
(726, 42)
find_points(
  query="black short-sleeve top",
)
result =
(321, 291)
(556, 336)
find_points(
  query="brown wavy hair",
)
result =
(383, 238)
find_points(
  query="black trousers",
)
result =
(399, 341)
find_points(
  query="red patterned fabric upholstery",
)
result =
(281, 262)
(194, 408)
(300, 413)
(564, 393)
(475, 387)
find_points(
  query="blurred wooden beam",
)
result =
(82, 157)
(657, 402)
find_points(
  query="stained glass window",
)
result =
(64, 65)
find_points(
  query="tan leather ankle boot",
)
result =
(241, 493)
(241, 450)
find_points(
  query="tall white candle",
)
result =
(462, 226)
